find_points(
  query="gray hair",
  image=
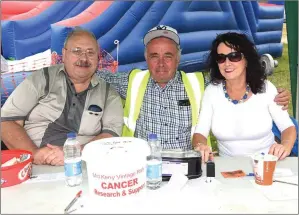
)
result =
(177, 46)
(76, 31)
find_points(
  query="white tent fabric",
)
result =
(4, 65)
(30, 63)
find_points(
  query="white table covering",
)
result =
(223, 196)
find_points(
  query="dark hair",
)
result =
(255, 74)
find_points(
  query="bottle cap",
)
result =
(71, 135)
(152, 137)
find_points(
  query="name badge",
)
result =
(185, 102)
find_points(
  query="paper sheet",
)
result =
(46, 177)
(177, 182)
(282, 172)
(202, 185)
(280, 191)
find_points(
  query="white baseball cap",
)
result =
(161, 31)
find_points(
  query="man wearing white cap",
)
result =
(160, 100)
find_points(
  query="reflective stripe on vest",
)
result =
(139, 80)
(194, 85)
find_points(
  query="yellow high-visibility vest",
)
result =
(194, 85)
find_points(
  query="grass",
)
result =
(281, 75)
(280, 78)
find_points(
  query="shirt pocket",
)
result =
(184, 116)
(91, 123)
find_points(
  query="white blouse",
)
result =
(245, 128)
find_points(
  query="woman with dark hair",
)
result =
(238, 105)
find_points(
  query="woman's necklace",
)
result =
(232, 100)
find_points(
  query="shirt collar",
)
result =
(175, 80)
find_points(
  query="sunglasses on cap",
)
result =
(233, 57)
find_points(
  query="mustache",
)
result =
(83, 63)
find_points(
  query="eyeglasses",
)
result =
(79, 52)
(233, 57)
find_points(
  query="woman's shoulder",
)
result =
(269, 91)
(269, 87)
(213, 90)
(214, 87)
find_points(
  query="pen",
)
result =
(68, 212)
(250, 174)
(73, 201)
(285, 182)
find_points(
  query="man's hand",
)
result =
(205, 152)
(280, 151)
(40, 155)
(283, 98)
(56, 158)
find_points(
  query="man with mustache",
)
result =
(60, 99)
(163, 100)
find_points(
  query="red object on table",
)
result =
(16, 173)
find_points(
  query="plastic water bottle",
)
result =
(72, 161)
(154, 163)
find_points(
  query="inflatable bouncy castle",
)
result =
(120, 26)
